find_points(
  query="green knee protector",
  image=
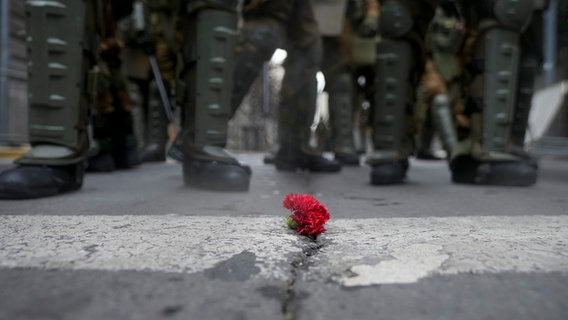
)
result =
(500, 88)
(207, 75)
(56, 85)
(392, 96)
(340, 104)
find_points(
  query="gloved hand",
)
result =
(369, 27)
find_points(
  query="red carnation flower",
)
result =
(308, 214)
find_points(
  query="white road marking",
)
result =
(403, 250)
(171, 243)
(355, 252)
(409, 265)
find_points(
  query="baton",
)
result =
(161, 88)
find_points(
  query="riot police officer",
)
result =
(206, 34)
(399, 64)
(502, 65)
(442, 87)
(291, 25)
(496, 104)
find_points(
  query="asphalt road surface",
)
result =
(137, 244)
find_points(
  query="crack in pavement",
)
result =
(290, 303)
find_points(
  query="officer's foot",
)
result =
(153, 153)
(126, 158)
(213, 175)
(291, 161)
(389, 172)
(468, 170)
(101, 162)
(35, 181)
(107, 162)
(347, 159)
(270, 158)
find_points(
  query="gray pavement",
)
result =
(137, 244)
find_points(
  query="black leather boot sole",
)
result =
(212, 175)
(293, 162)
(389, 172)
(466, 170)
(30, 181)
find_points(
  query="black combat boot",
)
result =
(213, 175)
(102, 161)
(120, 153)
(269, 158)
(153, 153)
(211, 168)
(467, 170)
(124, 152)
(123, 141)
(36, 181)
(287, 160)
(114, 134)
(388, 173)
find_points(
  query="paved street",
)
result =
(139, 245)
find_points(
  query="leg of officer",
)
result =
(400, 61)
(58, 112)
(207, 48)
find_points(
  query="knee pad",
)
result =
(340, 83)
(514, 14)
(207, 75)
(57, 115)
(396, 19)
